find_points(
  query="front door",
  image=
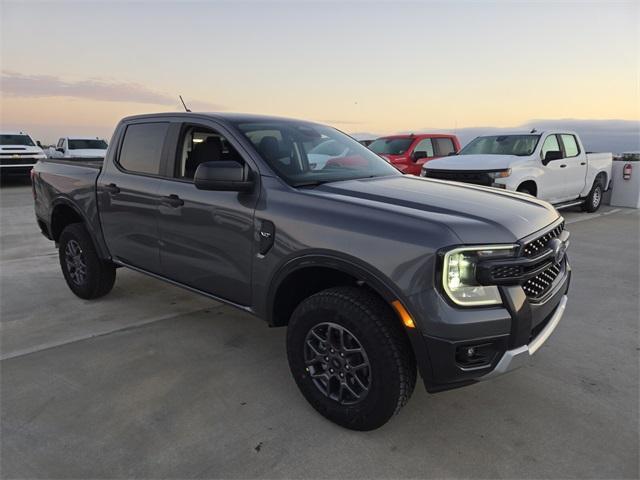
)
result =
(206, 237)
(128, 196)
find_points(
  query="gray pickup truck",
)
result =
(377, 275)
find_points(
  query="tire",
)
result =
(360, 319)
(594, 199)
(87, 275)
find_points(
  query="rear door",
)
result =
(128, 194)
(576, 165)
(207, 237)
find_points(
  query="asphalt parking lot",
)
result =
(154, 381)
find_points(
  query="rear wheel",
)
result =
(87, 275)
(594, 199)
(350, 357)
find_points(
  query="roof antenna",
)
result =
(183, 104)
(533, 130)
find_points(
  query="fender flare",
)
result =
(375, 279)
(100, 247)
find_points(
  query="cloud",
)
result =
(19, 85)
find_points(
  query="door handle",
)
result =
(112, 188)
(562, 166)
(583, 163)
(173, 201)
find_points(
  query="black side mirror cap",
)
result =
(227, 175)
(60, 149)
(418, 155)
(552, 155)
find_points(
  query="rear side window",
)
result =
(570, 146)
(142, 147)
(444, 146)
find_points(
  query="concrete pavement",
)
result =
(154, 381)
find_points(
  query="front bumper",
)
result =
(506, 335)
(513, 359)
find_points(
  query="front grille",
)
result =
(9, 154)
(507, 271)
(17, 161)
(537, 286)
(534, 247)
(457, 176)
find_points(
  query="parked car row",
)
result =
(19, 152)
(378, 276)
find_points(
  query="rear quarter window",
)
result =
(142, 147)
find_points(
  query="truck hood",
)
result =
(475, 214)
(87, 153)
(473, 162)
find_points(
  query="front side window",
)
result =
(390, 146)
(444, 146)
(199, 145)
(142, 147)
(83, 144)
(24, 140)
(425, 145)
(570, 145)
(300, 154)
(550, 145)
(520, 145)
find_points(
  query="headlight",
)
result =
(459, 274)
(500, 173)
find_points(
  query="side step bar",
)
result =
(572, 203)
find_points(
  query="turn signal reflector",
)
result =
(404, 315)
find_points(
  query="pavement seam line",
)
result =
(80, 338)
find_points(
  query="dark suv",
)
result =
(377, 275)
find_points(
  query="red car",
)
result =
(409, 152)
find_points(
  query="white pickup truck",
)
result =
(551, 165)
(79, 147)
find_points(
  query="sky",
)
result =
(368, 68)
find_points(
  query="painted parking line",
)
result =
(591, 216)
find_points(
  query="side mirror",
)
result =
(451, 154)
(415, 156)
(38, 143)
(552, 155)
(60, 149)
(226, 175)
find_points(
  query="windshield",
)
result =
(520, 145)
(290, 149)
(390, 146)
(87, 144)
(16, 140)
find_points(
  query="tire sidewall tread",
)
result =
(378, 329)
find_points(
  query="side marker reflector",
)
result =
(404, 315)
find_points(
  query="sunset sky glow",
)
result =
(362, 67)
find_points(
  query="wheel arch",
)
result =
(529, 183)
(63, 213)
(336, 270)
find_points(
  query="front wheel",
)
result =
(350, 357)
(87, 275)
(594, 199)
